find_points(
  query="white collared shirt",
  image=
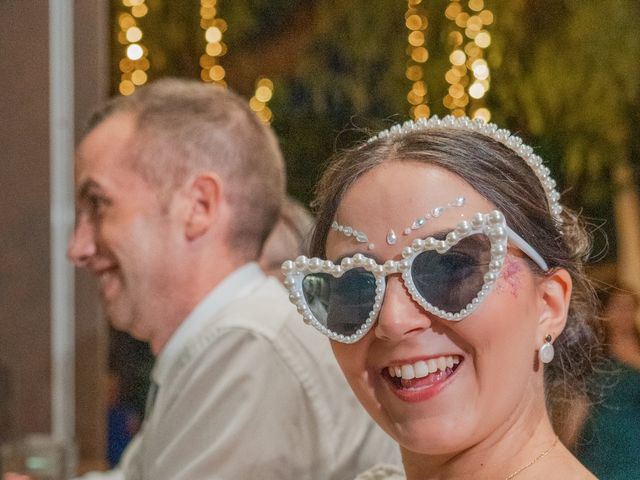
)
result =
(247, 391)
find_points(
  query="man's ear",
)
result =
(555, 296)
(204, 195)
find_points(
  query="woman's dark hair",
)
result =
(504, 178)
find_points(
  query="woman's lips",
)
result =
(423, 379)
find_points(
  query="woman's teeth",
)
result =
(422, 368)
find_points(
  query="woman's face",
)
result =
(496, 381)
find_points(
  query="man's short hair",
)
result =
(184, 127)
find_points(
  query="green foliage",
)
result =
(349, 74)
(564, 75)
(568, 78)
(257, 20)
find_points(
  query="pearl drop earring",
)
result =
(546, 352)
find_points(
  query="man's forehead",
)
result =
(107, 145)
(103, 162)
(114, 132)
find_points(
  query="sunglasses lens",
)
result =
(451, 280)
(340, 304)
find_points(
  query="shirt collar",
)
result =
(235, 285)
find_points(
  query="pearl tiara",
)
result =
(491, 130)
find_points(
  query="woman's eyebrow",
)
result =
(337, 261)
(439, 235)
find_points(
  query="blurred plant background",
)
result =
(564, 75)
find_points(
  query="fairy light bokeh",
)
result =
(214, 28)
(469, 76)
(417, 22)
(261, 96)
(134, 64)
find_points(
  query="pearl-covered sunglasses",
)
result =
(448, 275)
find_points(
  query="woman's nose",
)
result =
(399, 316)
(82, 245)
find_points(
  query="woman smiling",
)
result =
(448, 276)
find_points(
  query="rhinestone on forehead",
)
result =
(490, 130)
(391, 238)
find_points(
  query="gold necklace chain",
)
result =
(542, 455)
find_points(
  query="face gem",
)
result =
(392, 238)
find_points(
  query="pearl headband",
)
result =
(492, 131)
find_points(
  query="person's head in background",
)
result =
(289, 237)
(487, 386)
(177, 186)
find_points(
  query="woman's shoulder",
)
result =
(563, 465)
(382, 472)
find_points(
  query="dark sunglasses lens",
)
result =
(451, 280)
(340, 304)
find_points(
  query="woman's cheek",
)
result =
(511, 278)
(345, 358)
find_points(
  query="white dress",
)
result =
(382, 472)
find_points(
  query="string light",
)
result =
(135, 63)
(469, 75)
(258, 103)
(214, 28)
(212, 72)
(417, 22)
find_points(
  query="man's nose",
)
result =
(82, 245)
(399, 316)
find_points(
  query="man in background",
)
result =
(177, 188)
